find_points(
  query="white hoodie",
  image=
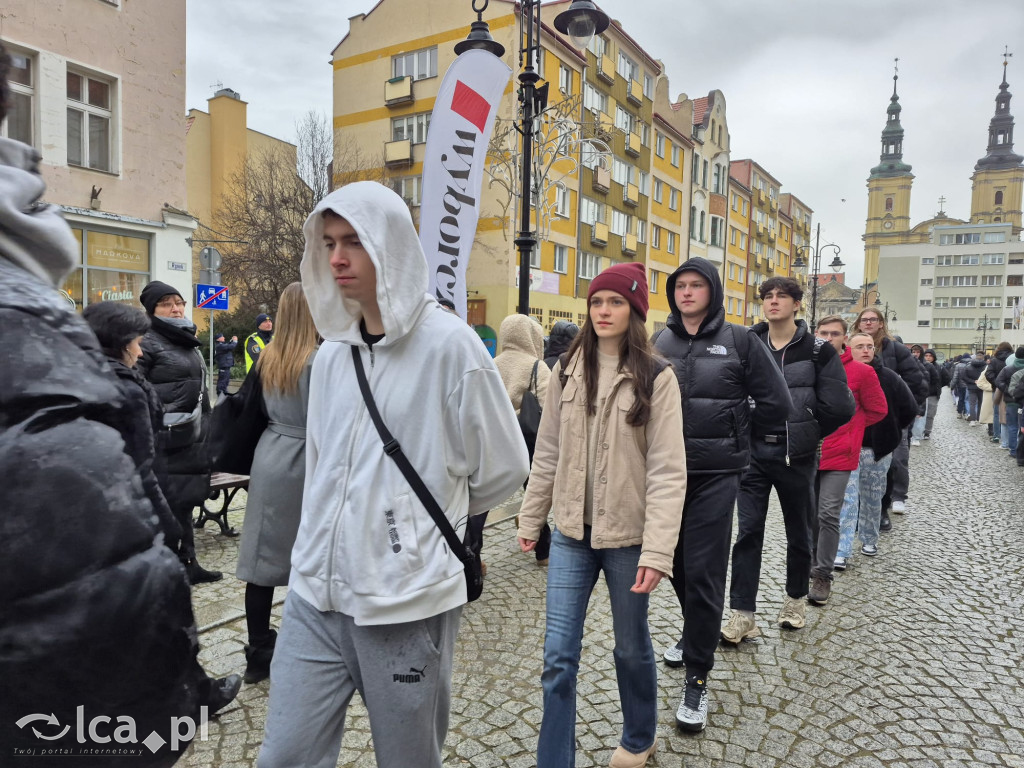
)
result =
(366, 546)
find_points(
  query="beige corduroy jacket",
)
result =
(640, 481)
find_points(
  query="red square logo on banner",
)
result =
(470, 105)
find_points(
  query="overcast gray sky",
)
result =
(806, 82)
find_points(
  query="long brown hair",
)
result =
(635, 355)
(879, 335)
(282, 361)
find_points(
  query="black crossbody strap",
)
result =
(394, 450)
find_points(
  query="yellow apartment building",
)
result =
(709, 179)
(597, 142)
(217, 144)
(108, 126)
(737, 254)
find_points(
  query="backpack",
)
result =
(530, 413)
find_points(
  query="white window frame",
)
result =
(659, 186)
(670, 246)
(993, 258)
(676, 154)
(989, 280)
(655, 236)
(990, 301)
(564, 79)
(418, 125)
(673, 198)
(588, 265)
(24, 91)
(561, 265)
(961, 302)
(659, 144)
(87, 112)
(563, 200)
(409, 188)
(411, 63)
(654, 281)
(925, 281)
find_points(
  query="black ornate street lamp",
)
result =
(984, 327)
(580, 23)
(815, 252)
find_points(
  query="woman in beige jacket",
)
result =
(610, 465)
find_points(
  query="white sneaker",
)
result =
(673, 656)
(692, 714)
(915, 441)
(899, 507)
(739, 628)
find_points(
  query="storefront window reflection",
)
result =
(116, 268)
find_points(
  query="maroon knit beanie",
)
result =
(629, 280)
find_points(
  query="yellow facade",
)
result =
(217, 144)
(596, 213)
(737, 254)
(888, 220)
(996, 196)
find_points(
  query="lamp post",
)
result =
(815, 264)
(580, 22)
(983, 326)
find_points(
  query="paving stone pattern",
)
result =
(915, 661)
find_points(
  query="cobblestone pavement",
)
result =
(915, 661)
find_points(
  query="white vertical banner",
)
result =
(453, 168)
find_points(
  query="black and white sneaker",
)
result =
(692, 714)
(673, 657)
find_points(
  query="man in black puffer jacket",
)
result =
(95, 611)
(173, 364)
(562, 334)
(720, 367)
(784, 456)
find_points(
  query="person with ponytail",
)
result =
(609, 464)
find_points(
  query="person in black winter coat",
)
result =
(721, 367)
(172, 363)
(561, 336)
(974, 370)
(784, 456)
(224, 359)
(95, 610)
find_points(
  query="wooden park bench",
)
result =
(228, 485)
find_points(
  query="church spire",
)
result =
(892, 137)
(1000, 131)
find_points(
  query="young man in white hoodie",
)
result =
(375, 593)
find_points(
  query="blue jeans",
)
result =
(572, 573)
(862, 505)
(1011, 430)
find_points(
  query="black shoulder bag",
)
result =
(470, 558)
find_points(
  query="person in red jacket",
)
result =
(840, 455)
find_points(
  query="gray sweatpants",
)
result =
(403, 673)
(831, 488)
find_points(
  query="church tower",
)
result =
(998, 180)
(889, 185)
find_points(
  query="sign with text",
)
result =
(211, 296)
(453, 168)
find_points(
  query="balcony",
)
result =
(601, 180)
(630, 194)
(759, 230)
(398, 153)
(773, 204)
(635, 93)
(629, 244)
(633, 144)
(762, 198)
(599, 234)
(771, 234)
(398, 91)
(771, 265)
(606, 69)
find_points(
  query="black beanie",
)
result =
(155, 291)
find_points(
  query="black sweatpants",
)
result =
(701, 563)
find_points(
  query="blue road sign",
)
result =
(211, 296)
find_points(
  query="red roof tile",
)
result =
(700, 107)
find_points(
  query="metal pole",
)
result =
(213, 381)
(528, 77)
(814, 288)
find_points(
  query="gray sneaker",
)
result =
(821, 588)
(840, 564)
(869, 549)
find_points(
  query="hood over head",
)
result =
(562, 334)
(381, 219)
(33, 234)
(716, 309)
(521, 333)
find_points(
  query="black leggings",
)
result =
(258, 602)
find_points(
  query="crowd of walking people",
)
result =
(638, 450)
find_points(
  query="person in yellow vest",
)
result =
(257, 341)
